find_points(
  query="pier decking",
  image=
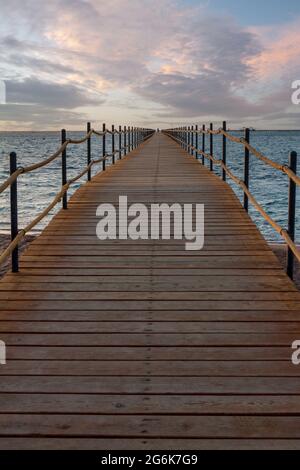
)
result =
(142, 344)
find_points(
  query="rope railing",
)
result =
(135, 135)
(186, 136)
(36, 166)
(52, 157)
(240, 140)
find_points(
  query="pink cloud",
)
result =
(280, 55)
(186, 60)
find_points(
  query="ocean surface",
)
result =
(37, 189)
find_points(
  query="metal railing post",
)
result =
(125, 140)
(64, 168)
(211, 147)
(129, 139)
(246, 169)
(224, 151)
(192, 140)
(14, 212)
(132, 138)
(291, 214)
(88, 128)
(120, 142)
(196, 142)
(113, 143)
(103, 147)
(203, 143)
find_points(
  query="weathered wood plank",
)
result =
(149, 404)
(114, 353)
(154, 426)
(145, 283)
(149, 339)
(40, 443)
(153, 368)
(149, 326)
(152, 385)
(151, 315)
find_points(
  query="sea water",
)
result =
(37, 189)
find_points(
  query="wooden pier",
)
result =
(142, 344)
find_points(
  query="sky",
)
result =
(150, 63)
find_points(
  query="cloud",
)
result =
(50, 95)
(37, 117)
(280, 52)
(65, 55)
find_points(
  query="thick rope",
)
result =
(240, 140)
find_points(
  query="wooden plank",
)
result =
(117, 353)
(149, 326)
(40, 443)
(154, 426)
(137, 304)
(153, 368)
(152, 385)
(149, 339)
(179, 316)
(138, 283)
(222, 261)
(292, 297)
(149, 404)
(123, 271)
